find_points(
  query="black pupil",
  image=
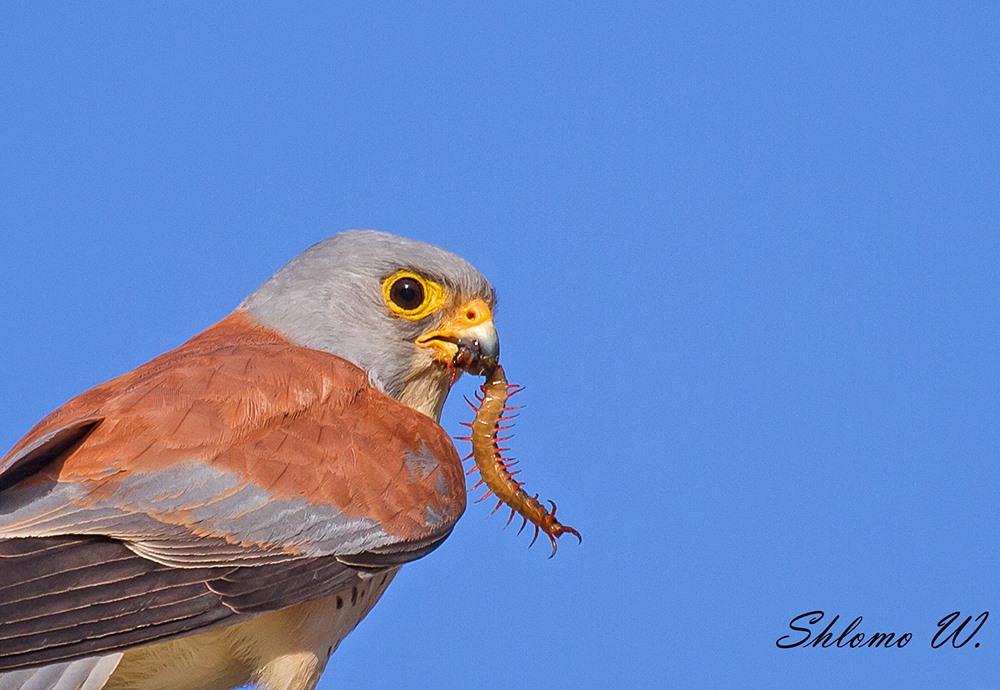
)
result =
(407, 293)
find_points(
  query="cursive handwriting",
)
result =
(804, 623)
(953, 630)
(946, 633)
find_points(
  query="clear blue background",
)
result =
(748, 266)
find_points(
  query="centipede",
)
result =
(494, 416)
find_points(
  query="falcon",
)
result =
(228, 512)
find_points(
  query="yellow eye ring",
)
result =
(412, 296)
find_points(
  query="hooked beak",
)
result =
(467, 341)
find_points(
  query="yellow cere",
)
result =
(433, 299)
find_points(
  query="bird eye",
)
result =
(412, 296)
(407, 293)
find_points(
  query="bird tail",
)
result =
(79, 674)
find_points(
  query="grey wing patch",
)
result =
(45, 450)
(226, 505)
(395, 554)
(182, 552)
(420, 463)
(238, 523)
(82, 674)
(57, 508)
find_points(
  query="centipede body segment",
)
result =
(495, 469)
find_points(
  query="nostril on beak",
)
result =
(474, 313)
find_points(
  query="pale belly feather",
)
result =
(282, 650)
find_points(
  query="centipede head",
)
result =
(554, 529)
(472, 358)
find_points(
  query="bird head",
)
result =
(411, 315)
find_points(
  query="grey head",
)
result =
(335, 297)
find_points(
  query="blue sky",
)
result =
(747, 259)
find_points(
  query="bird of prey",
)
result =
(228, 512)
